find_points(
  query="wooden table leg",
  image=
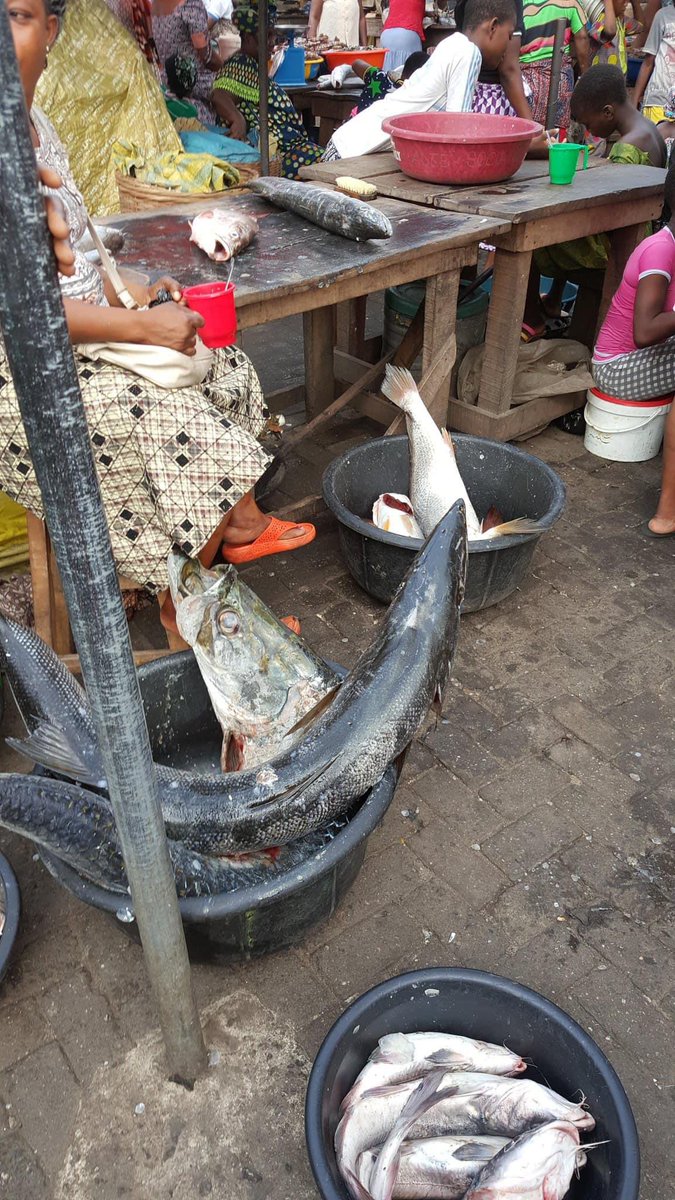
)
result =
(502, 336)
(440, 317)
(622, 244)
(318, 328)
(351, 326)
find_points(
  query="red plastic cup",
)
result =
(215, 302)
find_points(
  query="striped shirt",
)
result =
(540, 21)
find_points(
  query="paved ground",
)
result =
(532, 836)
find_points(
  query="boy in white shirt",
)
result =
(446, 81)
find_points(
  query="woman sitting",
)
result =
(634, 357)
(236, 99)
(175, 466)
(182, 27)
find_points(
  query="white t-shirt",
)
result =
(661, 43)
(219, 9)
(447, 82)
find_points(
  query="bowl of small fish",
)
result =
(447, 1083)
(10, 911)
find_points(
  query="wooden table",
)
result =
(330, 108)
(295, 267)
(609, 199)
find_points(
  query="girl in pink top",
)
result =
(634, 357)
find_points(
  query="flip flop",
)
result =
(529, 334)
(270, 541)
(650, 532)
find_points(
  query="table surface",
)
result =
(290, 255)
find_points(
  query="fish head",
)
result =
(538, 1164)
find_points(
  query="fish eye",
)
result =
(228, 622)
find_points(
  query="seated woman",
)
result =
(600, 102)
(236, 98)
(182, 27)
(175, 466)
(634, 356)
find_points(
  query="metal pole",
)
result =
(47, 386)
(264, 87)
(556, 68)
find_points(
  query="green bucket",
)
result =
(400, 308)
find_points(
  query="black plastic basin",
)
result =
(10, 905)
(495, 473)
(252, 920)
(485, 1006)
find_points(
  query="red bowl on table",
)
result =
(460, 148)
(335, 58)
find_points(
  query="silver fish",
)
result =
(481, 1104)
(262, 678)
(221, 233)
(438, 1168)
(399, 1057)
(330, 210)
(538, 1164)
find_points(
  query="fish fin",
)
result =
(492, 518)
(474, 1152)
(357, 1189)
(316, 711)
(437, 703)
(382, 1091)
(385, 1171)
(400, 387)
(233, 753)
(521, 525)
(292, 793)
(448, 1058)
(48, 747)
(393, 1048)
(445, 433)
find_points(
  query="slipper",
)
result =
(650, 532)
(270, 541)
(292, 623)
(529, 334)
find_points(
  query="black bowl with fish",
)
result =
(289, 895)
(477, 1004)
(496, 474)
(10, 912)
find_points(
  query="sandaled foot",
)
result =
(278, 537)
(659, 527)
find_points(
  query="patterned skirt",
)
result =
(538, 78)
(491, 98)
(640, 375)
(170, 463)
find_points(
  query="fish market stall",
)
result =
(539, 215)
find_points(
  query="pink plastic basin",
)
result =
(465, 148)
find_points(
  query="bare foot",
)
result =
(242, 533)
(662, 526)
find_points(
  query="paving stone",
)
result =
(531, 732)
(44, 1095)
(594, 772)
(522, 787)
(470, 818)
(550, 962)
(463, 755)
(467, 870)
(629, 946)
(531, 840)
(629, 1017)
(21, 1176)
(24, 1029)
(359, 957)
(82, 1021)
(584, 722)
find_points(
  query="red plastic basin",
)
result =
(466, 148)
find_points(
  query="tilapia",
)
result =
(344, 752)
(400, 1057)
(480, 1104)
(537, 1165)
(332, 211)
(221, 232)
(438, 1168)
(262, 678)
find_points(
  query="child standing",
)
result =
(608, 36)
(657, 73)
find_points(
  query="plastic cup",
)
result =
(563, 158)
(215, 302)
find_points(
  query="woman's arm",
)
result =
(204, 49)
(609, 21)
(643, 78)
(651, 324)
(170, 325)
(227, 110)
(315, 12)
(511, 79)
(582, 48)
(363, 26)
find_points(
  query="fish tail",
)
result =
(400, 387)
(521, 525)
(425, 1096)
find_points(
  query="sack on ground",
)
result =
(548, 367)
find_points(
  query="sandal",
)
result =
(270, 541)
(528, 333)
(653, 534)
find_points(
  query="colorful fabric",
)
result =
(135, 16)
(177, 170)
(537, 77)
(240, 78)
(654, 256)
(654, 113)
(204, 142)
(406, 14)
(170, 463)
(491, 98)
(174, 33)
(640, 375)
(540, 17)
(376, 84)
(660, 43)
(611, 50)
(670, 105)
(99, 87)
(246, 17)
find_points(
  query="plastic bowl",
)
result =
(460, 148)
(312, 68)
(519, 484)
(335, 58)
(479, 1005)
(10, 904)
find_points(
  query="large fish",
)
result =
(262, 678)
(438, 1168)
(337, 213)
(538, 1164)
(345, 751)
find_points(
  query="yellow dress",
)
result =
(100, 88)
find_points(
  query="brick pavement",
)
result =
(532, 834)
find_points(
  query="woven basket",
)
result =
(136, 196)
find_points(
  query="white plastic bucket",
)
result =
(624, 430)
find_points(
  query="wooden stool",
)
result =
(49, 604)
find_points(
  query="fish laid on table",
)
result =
(221, 233)
(400, 1057)
(332, 211)
(261, 677)
(481, 1104)
(343, 753)
(536, 1166)
(437, 1168)
(435, 479)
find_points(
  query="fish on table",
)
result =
(329, 210)
(222, 232)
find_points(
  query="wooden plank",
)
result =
(429, 384)
(364, 166)
(318, 331)
(502, 336)
(38, 554)
(549, 231)
(440, 346)
(351, 326)
(518, 421)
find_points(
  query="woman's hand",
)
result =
(172, 325)
(237, 128)
(168, 284)
(57, 223)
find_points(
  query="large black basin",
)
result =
(10, 908)
(495, 473)
(252, 920)
(480, 1005)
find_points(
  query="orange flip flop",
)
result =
(270, 541)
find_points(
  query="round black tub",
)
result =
(495, 473)
(10, 911)
(252, 920)
(485, 1006)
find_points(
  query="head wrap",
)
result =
(181, 73)
(246, 17)
(56, 8)
(670, 105)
